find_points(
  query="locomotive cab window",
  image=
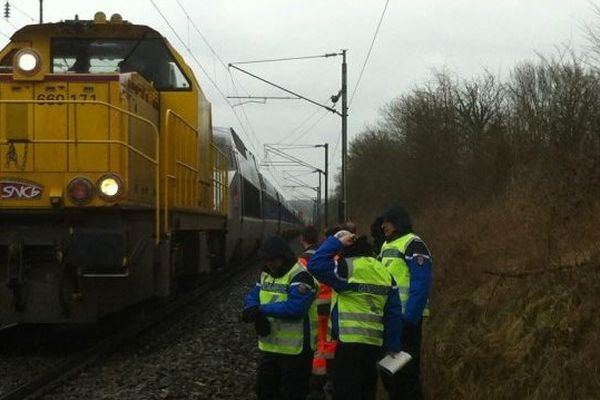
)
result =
(6, 63)
(148, 57)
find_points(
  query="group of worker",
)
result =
(325, 319)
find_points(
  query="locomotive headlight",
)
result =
(110, 187)
(27, 61)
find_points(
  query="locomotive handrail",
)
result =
(154, 161)
(168, 176)
(221, 167)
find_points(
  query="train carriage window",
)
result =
(148, 57)
(251, 200)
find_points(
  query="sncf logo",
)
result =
(19, 190)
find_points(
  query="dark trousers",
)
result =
(355, 371)
(283, 377)
(406, 383)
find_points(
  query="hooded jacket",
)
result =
(418, 260)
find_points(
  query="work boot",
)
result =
(316, 387)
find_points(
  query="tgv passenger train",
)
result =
(256, 208)
(112, 183)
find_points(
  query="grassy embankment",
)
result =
(503, 181)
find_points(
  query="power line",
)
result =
(252, 137)
(297, 128)
(201, 67)
(286, 59)
(369, 52)
(300, 126)
(307, 130)
(191, 21)
(334, 162)
(10, 23)
(22, 12)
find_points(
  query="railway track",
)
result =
(207, 292)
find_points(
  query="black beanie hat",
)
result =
(275, 246)
(399, 217)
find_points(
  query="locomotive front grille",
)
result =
(35, 255)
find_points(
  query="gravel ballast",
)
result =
(203, 352)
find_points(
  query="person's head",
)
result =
(360, 247)
(332, 231)
(276, 255)
(349, 226)
(82, 62)
(395, 221)
(309, 236)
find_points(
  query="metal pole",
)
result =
(344, 202)
(326, 185)
(319, 219)
(41, 11)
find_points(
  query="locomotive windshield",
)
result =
(148, 57)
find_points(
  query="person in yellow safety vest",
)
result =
(325, 348)
(409, 260)
(284, 313)
(366, 315)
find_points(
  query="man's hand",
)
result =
(346, 238)
(262, 325)
(409, 335)
(249, 314)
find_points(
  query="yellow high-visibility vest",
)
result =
(360, 309)
(287, 336)
(392, 256)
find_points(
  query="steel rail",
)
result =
(45, 381)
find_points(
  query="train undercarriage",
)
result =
(76, 266)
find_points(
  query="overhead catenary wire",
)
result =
(232, 79)
(254, 142)
(310, 128)
(301, 125)
(165, 19)
(193, 24)
(10, 23)
(286, 59)
(369, 52)
(336, 161)
(12, 5)
(253, 137)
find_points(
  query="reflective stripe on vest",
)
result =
(392, 256)
(360, 308)
(287, 336)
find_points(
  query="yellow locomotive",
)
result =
(110, 183)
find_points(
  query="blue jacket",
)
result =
(420, 266)
(323, 267)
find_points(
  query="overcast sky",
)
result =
(416, 36)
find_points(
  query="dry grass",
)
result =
(532, 337)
